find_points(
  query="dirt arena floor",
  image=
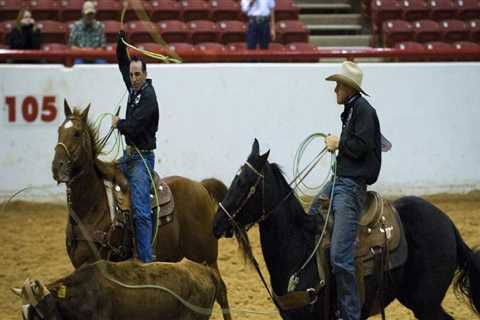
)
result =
(32, 241)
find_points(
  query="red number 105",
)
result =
(30, 109)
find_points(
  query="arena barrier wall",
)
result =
(210, 114)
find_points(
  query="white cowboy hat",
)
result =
(88, 7)
(351, 75)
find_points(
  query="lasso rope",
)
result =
(143, 16)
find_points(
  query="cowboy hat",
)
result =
(350, 75)
(88, 7)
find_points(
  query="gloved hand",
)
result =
(331, 142)
(121, 35)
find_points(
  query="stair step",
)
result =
(324, 7)
(345, 18)
(340, 40)
(319, 29)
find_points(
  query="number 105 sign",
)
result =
(30, 109)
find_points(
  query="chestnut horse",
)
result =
(75, 163)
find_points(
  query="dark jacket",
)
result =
(24, 38)
(360, 153)
(141, 121)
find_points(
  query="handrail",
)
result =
(68, 56)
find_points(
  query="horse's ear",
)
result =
(85, 113)
(68, 111)
(255, 147)
(264, 156)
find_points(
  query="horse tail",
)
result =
(216, 188)
(467, 280)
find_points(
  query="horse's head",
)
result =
(75, 147)
(239, 208)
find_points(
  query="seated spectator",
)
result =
(87, 32)
(25, 35)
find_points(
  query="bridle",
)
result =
(70, 154)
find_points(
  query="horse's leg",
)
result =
(432, 257)
(221, 297)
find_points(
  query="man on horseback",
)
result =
(358, 165)
(139, 128)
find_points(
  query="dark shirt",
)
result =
(25, 38)
(141, 121)
(360, 153)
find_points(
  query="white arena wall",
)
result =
(210, 114)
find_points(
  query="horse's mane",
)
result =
(92, 133)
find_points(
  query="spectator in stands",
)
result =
(261, 22)
(25, 35)
(87, 32)
(358, 165)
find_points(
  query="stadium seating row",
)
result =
(418, 48)
(395, 31)
(411, 10)
(157, 10)
(196, 31)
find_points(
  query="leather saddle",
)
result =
(163, 203)
(380, 231)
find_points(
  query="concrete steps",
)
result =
(361, 40)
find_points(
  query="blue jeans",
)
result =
(134, 169)
(347, 204)
(258, 33)
(95, 61)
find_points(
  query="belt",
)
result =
(131, 150)
(258, 19)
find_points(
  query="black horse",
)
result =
(436, 252)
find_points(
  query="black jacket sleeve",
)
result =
(140, 116)
(16, 39)
(355, 143)
(123, 60)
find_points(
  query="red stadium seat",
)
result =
(52, 31)
(474, 28)
(111, 47)
(414, 9)
(210, 47)
(436, 45)
(225, 10)
(54, 46)
(134, 10)
(454, 30)
(291, 31)
(5, 28)
(71, 10)
(426, 30)
(231, 31)
(180, 48)
(409, 45)
(195, 10)
(286, 10)
(394, 31)
(111, 10)
(441, 9)
(301, 46)
(44, 9)
(174, 31)
(275, 46)
(111, 27)
(9, 9)
(202, 31)
(383, 10)
(165, 10)
(467, 9)
(465, 45)
(140, 31)
(237, 46)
